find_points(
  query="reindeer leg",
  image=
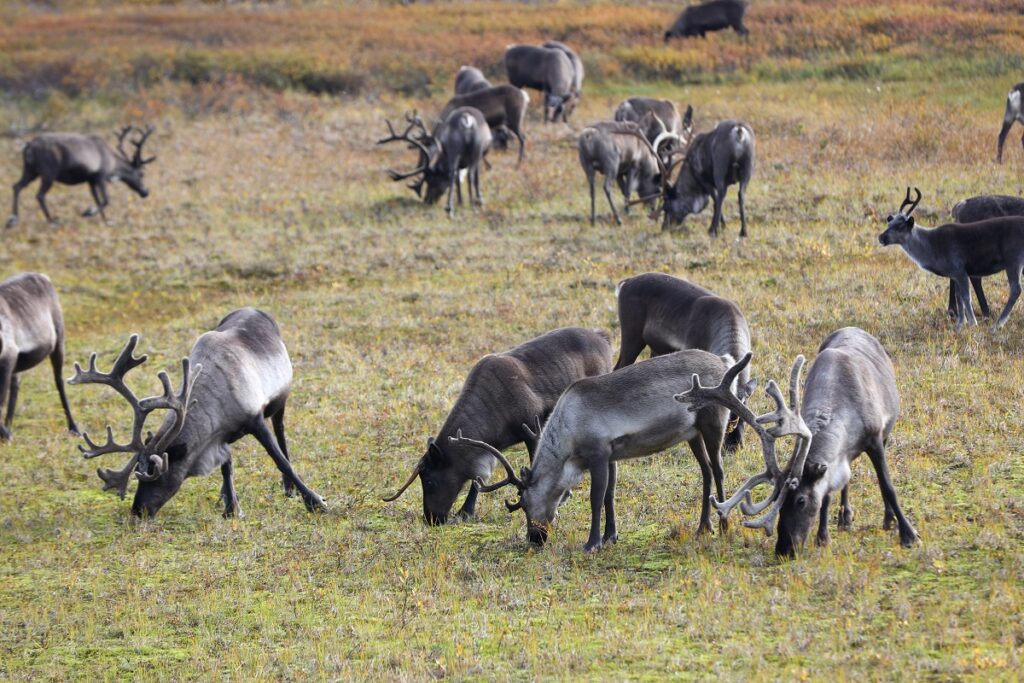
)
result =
(979, 292)
(12, 400)
(712, 439)
(822, 538)
(966, 313)
(608, 180)
(277, 420)
(228, 494)
(593, 207)
(468, 510)
(98, 208)
(6, 380)
(743, 213)
(522, 146)
(57, 361)
(26, 178)
(716, 219)
(1013, 275)
(845, 511)
(953, 307)
(262, 433)
(44, 186)
(697, 446)
(1003, 132)
(611, 534)
(598, 488)
(876, 452)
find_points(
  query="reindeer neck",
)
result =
(920, 247)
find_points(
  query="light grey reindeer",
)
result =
(545, 69)
(662, 121)
(504, 394)
(470, 79)
(71, 159)
(1014, 112)
(568, 106)
(714, 161)
(850, 406)
(670, 314)
(600, 420)
(503, 107)
(620, 152)
(31, 329)
(235, 377)
(960, 252)
(458, 143)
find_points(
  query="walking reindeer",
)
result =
(235, 377)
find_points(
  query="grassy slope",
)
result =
(386, 304)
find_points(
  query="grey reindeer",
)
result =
(670, 314)
(548, 70)
(72, 159)
(960, 252)
(504, 400)
(459, 143)
(31, 330)
(235, 377)
(578, 73)
(850, 406)
(661, 119)
(1014, 112)
(470, 79)
(601, 420)
(713, 161)
(503, 107)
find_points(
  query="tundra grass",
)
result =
(281, 201)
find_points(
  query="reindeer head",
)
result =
(150, 460)
(429, 169)
(441, 479)
(131, 171)
(901, 224)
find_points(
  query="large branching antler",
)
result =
(120, 140)
(137, 159)
(510, 477)
(418, 142)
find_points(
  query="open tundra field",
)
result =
(270, 195)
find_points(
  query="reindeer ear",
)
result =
(910, 221)
(434, 452)
(813, 471)
(747, 389)
(688, 117)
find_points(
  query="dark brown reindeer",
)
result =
(72, 159)
(458, 143)
(1014, 112)
(503, 107)
(600, 420)
(31, 329)
(505, 397)
(850, 406)
(548, 70)
(670, 314)
(960, 252)
(707, 17)
(661, 121)
(235, 377)
(619, 151)
(714, 161)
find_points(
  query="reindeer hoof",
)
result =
(11, 222)
(89, 213)
(610, 538)
(315, 504)
(592, 547)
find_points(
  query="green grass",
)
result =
(281, 201)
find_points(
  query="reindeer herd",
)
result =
(559, 394)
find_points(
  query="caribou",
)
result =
(470, 79)
(504, 400)
(960, 252)
(458, 143)
(669, 314)
(660, 117)
(1014, 112)
(601, 420)
(31, 329)
(707, 17)
(72, 159)
(549, 70)
(235, 377)
(850, 406)
(569, 105)
(503, 107)
(620, 152)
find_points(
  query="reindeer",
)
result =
(664, 122)
(601, 420)
(457, 143)
(960, 252)
(503, 106)
(72, 159)
(504, 394)
(31, 329)
(714, 15)
(1014, 112)
(851, 405)
(234, 378)
(569, 106)
(671, 314)
(470, 79)
(620, 152)
(548, 70)
(713, 161)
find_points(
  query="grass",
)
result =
(279, 199)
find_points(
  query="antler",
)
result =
(912, 204)
(412, 477)
(511, 477)
(414, 121)
(137, 159)
(120, 140)
(533, 436)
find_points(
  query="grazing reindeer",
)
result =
(548, 70)
(850, 406)
(504, 394)
(31, 329)
(662, 122)
(620, 152)
(1014, 112)
(973, 210)
(71, 159)
(713, 162)
(961, 252)
(234, 378)
(457, 143)
(470, 79)
(503, 106)
(714, 15)
(601, 420)
(568, 106)
(670, 314)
